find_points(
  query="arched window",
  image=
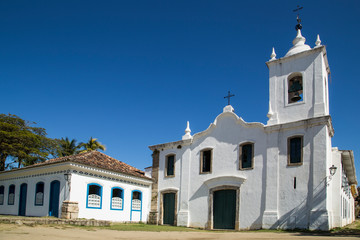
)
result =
(136, 200)
(117, 198)
(246, 156)
(295, 88)
(2, 189)
(170, 165)
(295, 145)
(94, 194)
(11, 197)
(39, 194)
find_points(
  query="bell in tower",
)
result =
(298, 82)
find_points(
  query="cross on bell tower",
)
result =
(298, 26)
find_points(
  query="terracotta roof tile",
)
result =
(98, 160)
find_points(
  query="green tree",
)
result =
(92, 144)
(67, 147)
(23, 143)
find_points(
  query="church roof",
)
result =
(95, 159)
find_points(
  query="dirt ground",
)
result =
(15, 232)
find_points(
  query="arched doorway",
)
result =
(22, 199)
(54, 198)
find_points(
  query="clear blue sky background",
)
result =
(131, 73)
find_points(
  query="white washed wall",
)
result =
(311, 65)
(267, 196)
(31, 209)
(225, 139)
(79, 184)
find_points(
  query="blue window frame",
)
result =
(117, 198)
(39, 194)
(11, 196)
(136, 200)
(94, 196)
(136, 203)
(2, 190)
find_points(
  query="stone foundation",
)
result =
(153, 218)
(69, 210)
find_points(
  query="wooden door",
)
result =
(169, 208)
(224, 209)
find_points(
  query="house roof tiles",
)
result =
(98, 160)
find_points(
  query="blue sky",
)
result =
(131, 73)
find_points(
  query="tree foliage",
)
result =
(92, 144)
(67, 147)
(22, 142)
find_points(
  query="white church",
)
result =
(285, 174)
(234, 175)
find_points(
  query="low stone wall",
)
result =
(34, 221)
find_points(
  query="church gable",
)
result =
(226, 125)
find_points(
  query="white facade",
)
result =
(274, 191)
(31, 177)
(126, 212)
(124, 208)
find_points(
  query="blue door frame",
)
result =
(54, 198)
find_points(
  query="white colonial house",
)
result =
(283, 174)
(87, 185)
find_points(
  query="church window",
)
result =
(136, 201)
(170, 166)
(2, 195)
(205, 161)
(39, 194)
(294, 182)
(11, 197)
(247, 156)
(94, 196)
(295, 88)
(295, 145)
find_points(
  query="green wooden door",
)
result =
(169, 208)
(224, 209)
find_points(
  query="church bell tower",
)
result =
(298, 82)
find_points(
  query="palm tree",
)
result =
(92, 144)
(67, 147)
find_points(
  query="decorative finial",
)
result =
(298, 45)
(229, 96)
(298, 19)
(318, 41)
(187, 132)
(273, 55)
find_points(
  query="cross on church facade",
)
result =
(229, 96)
